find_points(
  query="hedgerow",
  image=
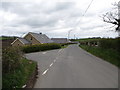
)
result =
(110, 43)
(11, 57)
(40, 47)
(16, 70)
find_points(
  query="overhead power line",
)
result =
(80, 19)
(85, 12)
(87, 8)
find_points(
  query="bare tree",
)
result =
(113, 17)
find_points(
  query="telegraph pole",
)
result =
(69, 33)
(74, 36)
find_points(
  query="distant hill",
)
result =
(8, 37)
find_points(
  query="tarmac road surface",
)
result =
(72, 67)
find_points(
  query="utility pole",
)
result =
(69, 33)
(74, 36)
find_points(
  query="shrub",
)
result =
(110, 43)
(118, 44)
(20, 76)
(16, 69)
(40, 47)
(11, 59)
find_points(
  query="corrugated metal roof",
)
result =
(42, 38)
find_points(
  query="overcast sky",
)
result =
(56, 17)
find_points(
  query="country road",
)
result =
(73, 67)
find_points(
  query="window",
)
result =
(31, 38)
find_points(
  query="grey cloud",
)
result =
(57, 11)
(9, 6)
(88, 28)
(60, 6)
(22, 9)
(64, 5)
(6, 5)
(45, 16)
(28, 8)
(36, 22)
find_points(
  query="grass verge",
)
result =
(65, 46)
(109, 55)
(20, 76)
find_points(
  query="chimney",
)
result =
(40, 33)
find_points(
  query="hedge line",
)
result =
(16, 70)
(106, 43)
(107, 48)
(40, 47)
(11, 57)
(110, 43)
(20, 76)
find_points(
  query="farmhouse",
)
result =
(60, 40)
(31, 39)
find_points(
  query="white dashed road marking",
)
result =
(51, 64)
(45, 72)
(59, 50)
(44, 52)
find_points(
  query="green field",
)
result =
(7, 37)
(109, 55)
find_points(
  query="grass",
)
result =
(109, 55)
(19, 77)
(6, 37)
(64, 46)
